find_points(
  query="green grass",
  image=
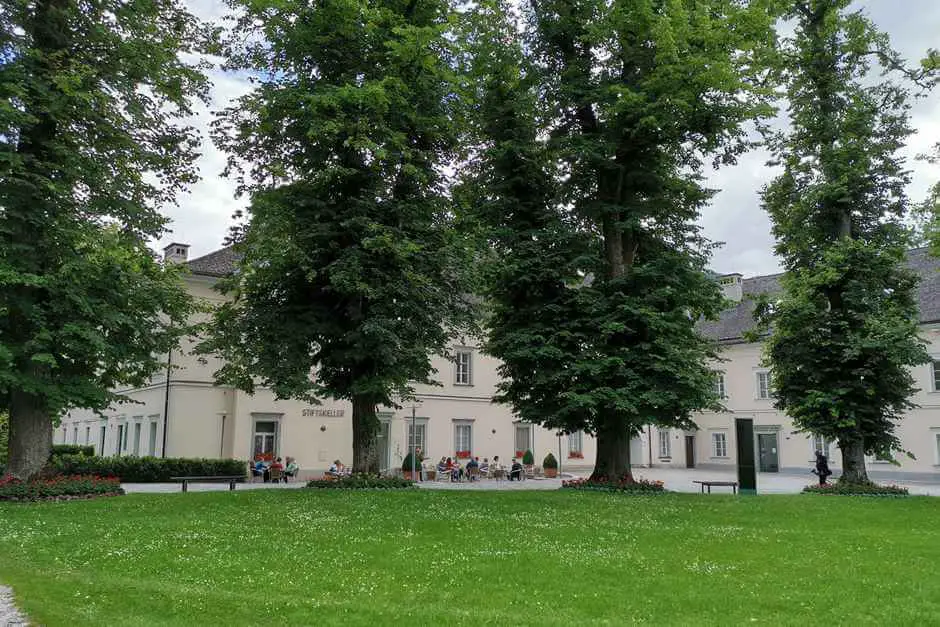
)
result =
(303, 557)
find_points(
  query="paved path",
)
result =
(676, 479)
(9, 615)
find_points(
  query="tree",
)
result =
(592, 201)
(91, 145)
(351, 275)
(845, 332)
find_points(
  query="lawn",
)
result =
(293, 557)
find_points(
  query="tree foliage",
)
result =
(591, 188)
(91, 144)
(845, 332)
(351, 274)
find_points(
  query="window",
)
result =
(937, 443)
(719, 445)
(120, 439)
(720, 386)
(264, 442)
(463, 439)
(101, 440)
(65, 435)
(935, 371)
(575, 445)
(152, 447)
(763, 385)
(821, 444)
(418, 435)
(87, 435)
(665, 444)
(523, 438)
(75, 435)
(136, 438)
(464, 368)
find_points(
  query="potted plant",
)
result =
(528, 462)
(550, 466)
(406, 466)
(463, 454)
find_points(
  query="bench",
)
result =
(231, 479)
(727, 484)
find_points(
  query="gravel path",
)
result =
(9, 615)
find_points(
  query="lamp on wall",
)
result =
(494, 431)
(322, 427)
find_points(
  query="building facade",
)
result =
(183, 413)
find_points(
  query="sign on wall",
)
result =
(324, 413)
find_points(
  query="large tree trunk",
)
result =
(30, 436)
(853, 461)
(613, 455)
(365, 432)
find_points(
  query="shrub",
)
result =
(72, 449)
(550, 462)
(143, 469)
(528, 459)
(624, 484)
(856, 489)
(363, 481)
(406, 463)
(61, 487)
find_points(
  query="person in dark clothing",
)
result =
(822, 468)
(515, 471)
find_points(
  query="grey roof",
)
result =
(730, 326)
(217, 264)
(733, 323)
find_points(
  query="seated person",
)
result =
(292, 468)
(515, 471)
(485, 466)
(335, 470)
(456, 472)
(442, 466)
(259, 468)
(472, 467)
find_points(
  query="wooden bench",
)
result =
(727, 484)
(231, 479)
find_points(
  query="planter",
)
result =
(550, 473)
(410, 477)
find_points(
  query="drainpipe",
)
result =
(649, 442)
(166, 400)
(222, 439)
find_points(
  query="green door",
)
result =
(767, 451)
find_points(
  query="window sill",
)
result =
(714, 457)
(463, 385)
(665, 459)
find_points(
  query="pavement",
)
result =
(675, 479)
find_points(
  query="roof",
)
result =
(217, 264)
(733, 323)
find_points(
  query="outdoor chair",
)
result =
(275, 475)
(443, 475)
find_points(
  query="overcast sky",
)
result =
(734, 217)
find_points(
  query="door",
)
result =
(523, 439)
(767, 451)
(690, 451)
(265, 440)
(382, 444)
(120, 440)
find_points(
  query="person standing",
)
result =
(822, 468)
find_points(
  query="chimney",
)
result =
(176, 253)
(732, 287)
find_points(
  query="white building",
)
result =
(188, 415)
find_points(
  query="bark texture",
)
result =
(30, 436)
(853, 461)
(365, 431)
(613, 455)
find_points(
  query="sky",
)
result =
(202, 216)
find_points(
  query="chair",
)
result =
(275, 475)
(442, 475)
(473, 473)
(498, 473)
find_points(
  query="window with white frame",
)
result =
(463, 438)
(935, 371)
(936, 437)
(719, 444)
(75, 435)
(665, 444)
(720, 385)
(523, 438)
(87, 435)
(464, 372)
(137, 438)
(763, 384)
(575, 444)
(821, 444)
(152, 444)
(418, 435)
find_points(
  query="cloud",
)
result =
(735, 217)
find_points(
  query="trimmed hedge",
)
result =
(362, 481)
(630, 486)
(58, 488)
(856, 489)
(72, 449)
(143, 469)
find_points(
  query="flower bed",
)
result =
(624, 484)
(59, 488)
(856, 489)
(362, 481)
(143, 469)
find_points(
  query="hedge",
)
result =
(856, 489)
(625, 484)
(57, 488)
(72, 449)
(362, 481)
(143, 469)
